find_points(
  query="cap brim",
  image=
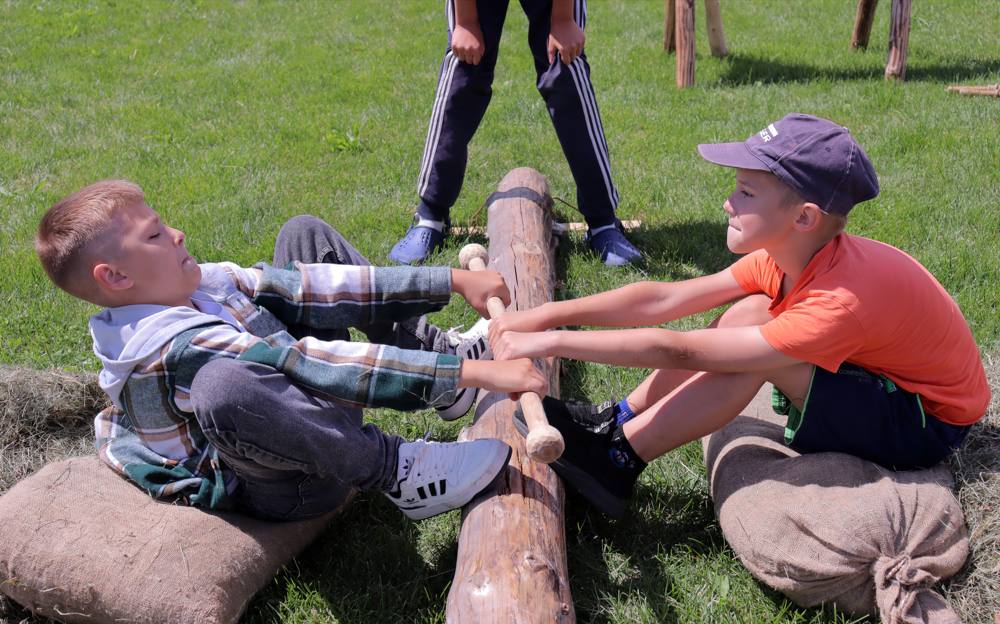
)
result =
(731, 155)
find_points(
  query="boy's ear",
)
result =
(109, 278)
(809, 217)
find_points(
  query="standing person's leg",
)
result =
(463, 94)
(298, 457)
(572, 105)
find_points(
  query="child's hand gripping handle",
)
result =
(544, 442)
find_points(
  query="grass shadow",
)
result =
(748, 69)
(370, 565)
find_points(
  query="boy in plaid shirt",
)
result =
(237, 387)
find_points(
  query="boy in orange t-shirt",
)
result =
(867, 352)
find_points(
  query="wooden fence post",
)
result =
(684, 21)
(899, 40)
(863, 19)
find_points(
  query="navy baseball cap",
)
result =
(817, 158)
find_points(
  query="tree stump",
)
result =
(511, 563)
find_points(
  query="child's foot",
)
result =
(420, 241)
(468, 345)
(435, 477)
(610, 243)
(479, 329)
(593, 463)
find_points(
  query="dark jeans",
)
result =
(297, 456)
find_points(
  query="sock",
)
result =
(622, 454)
(623, 413)
(432, 212)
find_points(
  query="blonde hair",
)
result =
(69, 230)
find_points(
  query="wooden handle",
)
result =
(544, 443)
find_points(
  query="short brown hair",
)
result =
(70, 227)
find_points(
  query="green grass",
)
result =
(235, 116)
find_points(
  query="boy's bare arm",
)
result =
(635, 305)
(566, 38)
(723, 350)
(511, 376)
(467, 37)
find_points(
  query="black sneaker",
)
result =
(587, 465)
(598, 418)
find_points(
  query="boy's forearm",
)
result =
(466, 13)
(727, 350)
(629, 306)
(562, 11)
(637, 348)
(326, 296)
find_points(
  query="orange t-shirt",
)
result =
(870, 304)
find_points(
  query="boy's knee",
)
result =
(750, 310)
(216, 386)
(301, 225)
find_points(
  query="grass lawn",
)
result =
(234, 116)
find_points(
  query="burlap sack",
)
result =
(832, 528)
(80, 544)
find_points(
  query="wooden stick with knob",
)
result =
(544, 443)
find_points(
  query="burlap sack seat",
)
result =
(80, 544)
(832, 528)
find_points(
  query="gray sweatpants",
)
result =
(297, 456)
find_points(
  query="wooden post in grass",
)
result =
(669, 18)
(863, 19)
(684, 21)
(511, 563)
(899, 40)
(713, 21)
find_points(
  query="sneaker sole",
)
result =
(466, 397)
(588, 487)
(480, 485)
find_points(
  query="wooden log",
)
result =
(511, 564)
(992, 90)
(899, 40)
(544, 442)
(863, 19)
(713, 22)
(684, 28)
(668, 26)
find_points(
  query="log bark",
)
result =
(899, 40)
(863, 23)
(713, 21)
(684, 20)
(668, 26)
(511, 563)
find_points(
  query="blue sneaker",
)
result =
(420, 241)
(610, 243)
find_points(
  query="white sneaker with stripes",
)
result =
(469, 345)
(435, 477)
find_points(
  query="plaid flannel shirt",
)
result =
(151, 435)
